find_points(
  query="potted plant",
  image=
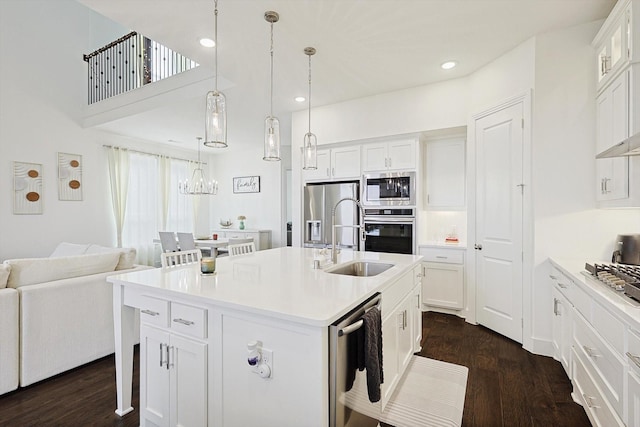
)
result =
(241, 218)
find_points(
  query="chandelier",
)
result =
(199, 185)
(215, 130)
(271, 123)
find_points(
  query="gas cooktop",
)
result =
(623, 278)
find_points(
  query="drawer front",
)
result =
(581, 301)
(153, 311)
(447, 256)
(562, 282)
(600, 412)
(189, 320)
(609, 327)
(235, 235)
(392, 295)
(604, 365)
(418, 274)
(633, 351)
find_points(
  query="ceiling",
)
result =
(364, 48)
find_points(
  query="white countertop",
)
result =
(278, 282)
(611, 299)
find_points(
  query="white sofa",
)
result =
(59, 309)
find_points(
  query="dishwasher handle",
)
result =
(357, 324)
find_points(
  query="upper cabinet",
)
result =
(616, 45)
(393, 155)
(336, 164)
(613, 43)
(445, 174)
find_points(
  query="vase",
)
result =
(241, 226)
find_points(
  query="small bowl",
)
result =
(226, 224)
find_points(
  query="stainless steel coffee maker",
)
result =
(627, 250)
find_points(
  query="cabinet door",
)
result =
(633, 399)
(613, 127)
(416, 317)
(561, 332)
(323, 172)
(188, 368)
(345, 162)
(445, 174)
(405, 332)
(154, 381)
(402, 154)
(374, 157)
(443, 285)
(390, 330)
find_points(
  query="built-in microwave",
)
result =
(389, 189)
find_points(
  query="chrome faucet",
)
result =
(334, 251)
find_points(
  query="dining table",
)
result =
(213, 245)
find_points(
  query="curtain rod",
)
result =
(151, 154)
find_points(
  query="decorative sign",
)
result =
(246, 184)
(69, 176)
(27, 188)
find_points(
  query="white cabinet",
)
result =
(561, 329)
(173, 367)
(416, 317)
(612, 127)
(261, 238)
(445, 174)
(613, 43)
(443, 281)
(336, 164)
(399, 154)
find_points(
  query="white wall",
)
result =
(264, 210)
(42, 102)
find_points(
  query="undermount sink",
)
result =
(360, 269)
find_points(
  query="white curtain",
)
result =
(119, 181)
(142, 219)
(180, 211)
(164, 164)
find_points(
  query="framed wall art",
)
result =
(27, 188)
(246, 184)
(69, 176)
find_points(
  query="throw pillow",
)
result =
(29, 271)
(4, 275)
(69, 249)
(127, 255)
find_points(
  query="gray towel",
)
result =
(370, 352)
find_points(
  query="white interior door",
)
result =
(499, 189)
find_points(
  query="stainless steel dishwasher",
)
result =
(340, 371)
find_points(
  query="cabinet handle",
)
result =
(562, 285)
(184, 322)
(555, 306)
(591, 352)
(333, 171)
(635, 359)
(606, 185)
(161, 363)
(149, 312)
(389, 161)
(553, 277)
(589, 401)
(442, 257)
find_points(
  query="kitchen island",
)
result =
(197, 333)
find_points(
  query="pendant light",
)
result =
(271, 123)
(310, 145)
(199, 185)
(215, 129)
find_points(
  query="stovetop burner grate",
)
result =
(621, 277)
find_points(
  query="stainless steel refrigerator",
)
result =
(319, 200)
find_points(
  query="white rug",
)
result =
(431, 394)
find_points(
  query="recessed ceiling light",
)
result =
(300, 98)
(448, 65)
(207, 42)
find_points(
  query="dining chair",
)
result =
(175, 259)
(187, 243)
(168, 241)
(241, 247)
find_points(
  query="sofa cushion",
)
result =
(68, 249)
(127, 255)
(38, 270)
(4, 275)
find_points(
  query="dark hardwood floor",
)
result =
(507, 386)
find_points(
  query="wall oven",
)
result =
(390, 230)
(389, 189)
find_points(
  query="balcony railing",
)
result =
(131, 62)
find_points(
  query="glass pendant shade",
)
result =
(271, 139)
(215, 131)
(310, 150)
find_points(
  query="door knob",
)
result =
(477, 247)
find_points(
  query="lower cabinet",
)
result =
(417, 318)
(173, 389)
(561, 329)
(261, 238)
(443, 278)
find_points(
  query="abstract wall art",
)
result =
(27, 188)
